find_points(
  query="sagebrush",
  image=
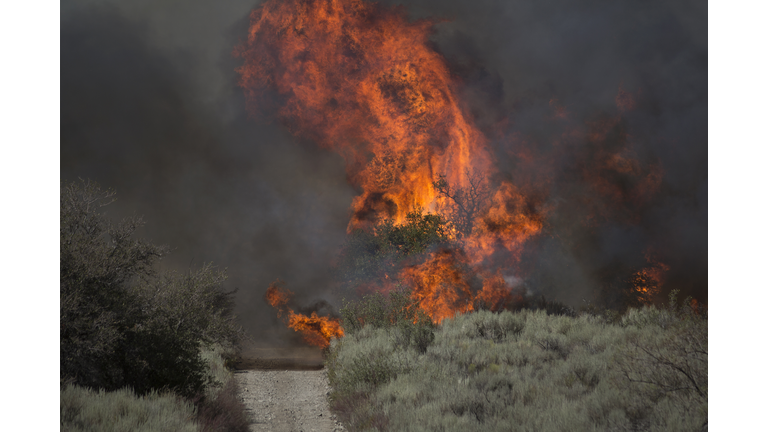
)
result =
(528, 371)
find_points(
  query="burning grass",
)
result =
(528, 370)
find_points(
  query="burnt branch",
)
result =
(466, 202)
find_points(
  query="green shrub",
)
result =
(395, 310)
(373, 255)
(223, 412)
(87, 410)
(219, 409)
(526, 371)
(121, 323)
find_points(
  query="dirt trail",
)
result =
(285, 390)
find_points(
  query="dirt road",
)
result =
(285, 390)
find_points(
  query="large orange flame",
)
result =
(315, 330)
(439, 285)
(364, 81)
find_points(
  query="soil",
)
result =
(285, 390)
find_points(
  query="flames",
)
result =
(647, 282)
(315, 330)
(439, 285)
(364, 81)
(442, 286)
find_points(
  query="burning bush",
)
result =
(375, 256)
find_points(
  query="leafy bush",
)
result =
(128, 331)
(220, 410)
(184, 313)
(98, 310)
(123, 324)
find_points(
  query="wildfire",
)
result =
(648, 281)
(439, 285)
(508, 222)
(497, 294)
(362, 80)
(315, 330)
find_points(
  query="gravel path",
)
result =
(282, 400)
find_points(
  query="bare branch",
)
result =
(466, 202)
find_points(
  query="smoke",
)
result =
(521, 60)
(150, 107)
(139, 115)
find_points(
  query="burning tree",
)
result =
(465, 203)
(373, 257)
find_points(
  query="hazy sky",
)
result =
(150, 107)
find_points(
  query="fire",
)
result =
(497, 294)
(648, 281)
(439, 285)
(508, 222)
(364, 81)
(278, 297)
(315, 330)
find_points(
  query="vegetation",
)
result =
(397, 310)
(131, 333)
(525, 370)
(86, 410)
(371, 255)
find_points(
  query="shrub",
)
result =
(527, 370)
(394, 310)
(123, 324)
(224, 412)
(184, 313)
(86, 410)
(98, 310)
(368, 256)
(217, 409)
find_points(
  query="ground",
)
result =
(285, 390)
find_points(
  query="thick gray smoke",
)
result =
(518, 59)
(150, 107)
